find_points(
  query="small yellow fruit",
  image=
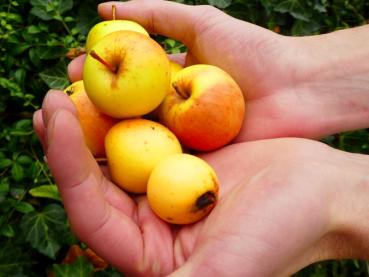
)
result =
(95, 125)
(126, 74)
(182, 189)
(174, 69)
(134, 147)
(104, 28)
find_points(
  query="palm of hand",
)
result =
(124, 231)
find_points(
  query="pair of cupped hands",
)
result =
(284, 202)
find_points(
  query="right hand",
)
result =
(292, 86)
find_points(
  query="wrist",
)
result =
(350, 209)
(333, 78)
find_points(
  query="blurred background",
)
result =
(37, 40)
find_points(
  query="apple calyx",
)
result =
(184, 93)
(206, 199)
(111, 67)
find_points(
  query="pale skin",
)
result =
(284, 203)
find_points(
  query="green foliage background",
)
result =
(35, 36)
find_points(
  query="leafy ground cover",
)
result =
(37, 39)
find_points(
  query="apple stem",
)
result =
(113, 9)
(183, 93)
(108, 65)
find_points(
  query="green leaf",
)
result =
(9, 85)
(4, 185)
(23, 124)
(5, 163)
(81, 267)
(45, 230)
(33, 29)
(56, 77)
(87, 17)
(24, 159)
(24, 207)
(47, 10)
(296, 8)
(41, 13)
(14, 260)
(17, 49)
(51, 52)
(7, 231)
(34, 58)
(46, 191)
(17, 193)
(222, 4)
(17, 172)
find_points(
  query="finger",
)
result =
(82, 188)
(170, 19)
(100, 214)
(53, 101)
(75, 69)
(184, 59)
(178, 58)
(39, 128)
(191, 59)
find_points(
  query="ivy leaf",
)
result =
(222, 4)
(24, 207)
(48, 9)
(7, 231)
(46, 191)
(13, 259)
(50, 52)
(296, 8)
(87, 16)
(56, 77)
(81, 267)
(41, 13)
(17, 172)
(5, 163)
(45, 230)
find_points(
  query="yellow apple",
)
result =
(206, 109)
(126, 74)
(174, 68)
(182, 189)
(94, 123)
(104, 28)
(134, 147)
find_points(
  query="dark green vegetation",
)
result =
(35, 39)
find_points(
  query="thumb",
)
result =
(174, 20)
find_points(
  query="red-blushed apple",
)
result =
(205, 109)
(95, 125)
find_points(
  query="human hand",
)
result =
(303, 87)
(284, 203)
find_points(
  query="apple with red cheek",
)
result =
(205, 108)
(95, 124)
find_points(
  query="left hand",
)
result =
(284, 203)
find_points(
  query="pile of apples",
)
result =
(139, 110)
